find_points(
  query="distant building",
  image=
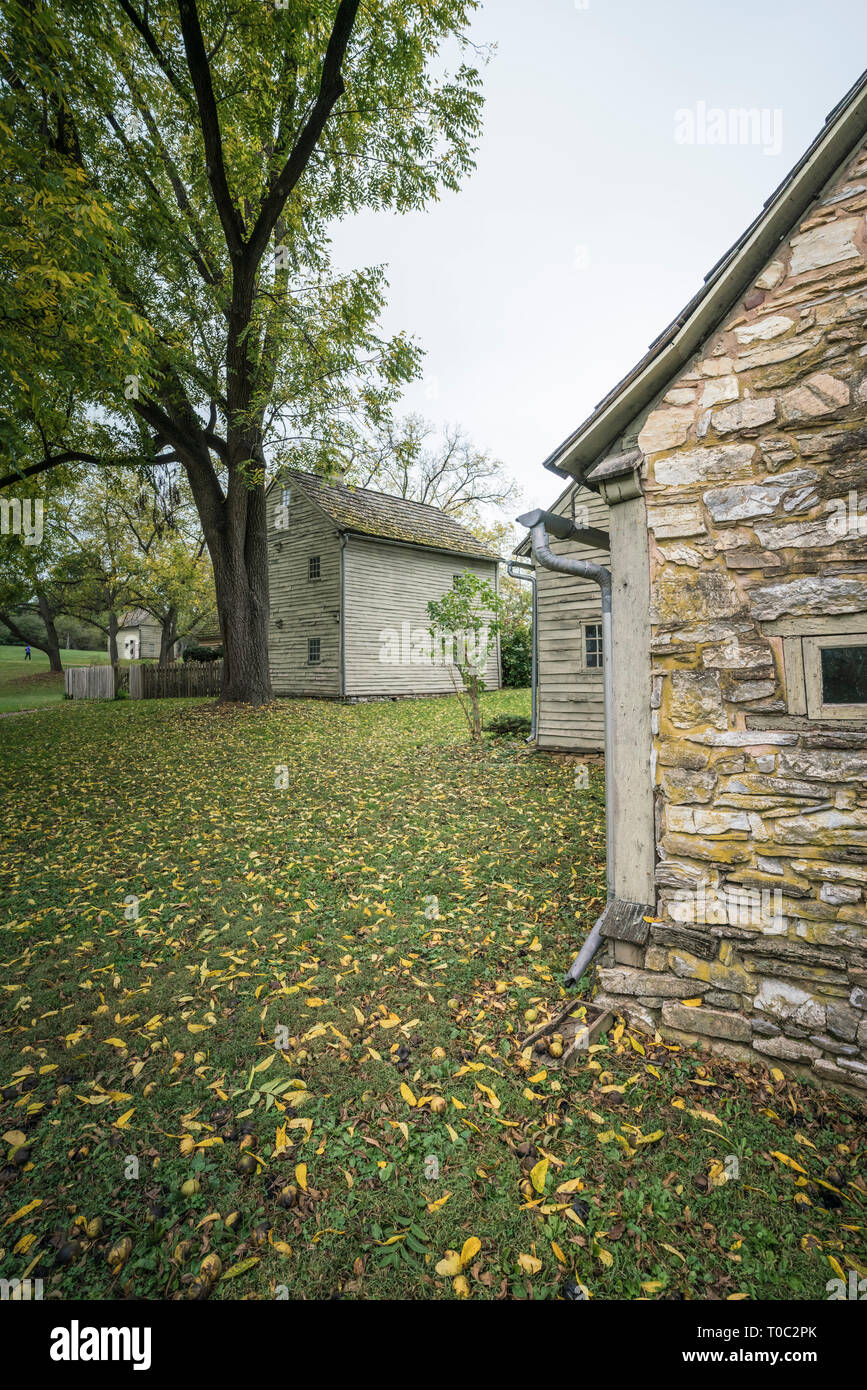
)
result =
(138, 637)
(350, 574)
(569, 698)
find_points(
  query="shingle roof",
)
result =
(135, 617)
(392, 518)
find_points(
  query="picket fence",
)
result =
(180, 679)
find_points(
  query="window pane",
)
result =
(593, 645)
(313, 649)
(844, 675)
(313, 567)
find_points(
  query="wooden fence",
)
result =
(181, 678)
(89, 682)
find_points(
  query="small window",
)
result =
(836, 676)
(593, 646)
(287, 497)
(844, 675)
(825, 672)
(313, 570)
(314, 650)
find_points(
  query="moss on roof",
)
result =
(377, 514)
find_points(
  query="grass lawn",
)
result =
(30, 684)
(169, 912)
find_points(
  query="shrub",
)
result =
(516, 649)
(203, 654)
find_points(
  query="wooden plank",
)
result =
(624, 921)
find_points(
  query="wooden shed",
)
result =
(569, 700)
(351, 572)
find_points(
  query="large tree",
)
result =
(225, 135)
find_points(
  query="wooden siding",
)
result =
(386, 587)
(303, 608)
(571, 707)
(147, 637)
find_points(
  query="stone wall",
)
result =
(761, 812)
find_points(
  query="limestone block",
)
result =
(785, 1001)
(721, 462)
(744, 415)
(761, 329)
(787, 1049)
(820, 394)
(712, 1023)
(809, 596)
(718, 390)
(670, 523)
(744, 501)
(842, 1021)
(623, 979)
(839, 893)
(825, 245)
(664, 429)
(694, 698)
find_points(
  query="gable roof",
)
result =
(137, 617)
(844, 129)
(365, 512)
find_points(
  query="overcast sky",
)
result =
(590, 219)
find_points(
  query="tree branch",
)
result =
(330, 90)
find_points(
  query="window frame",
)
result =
(598, 640)
(311, 659)
(812, 648)
(802, 642)
(311, 561)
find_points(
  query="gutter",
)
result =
(563, 528)
(515, 568)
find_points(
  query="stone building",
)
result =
(733, 460)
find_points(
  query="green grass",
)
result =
(30, 684)
(168, 910)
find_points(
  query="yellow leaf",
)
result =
(538, 1174)
(461, 1286)
(561, 1258)
(407, 1094)
(301, 1176)
(529, 1264)
(691, 1003)
(23, 1211)
(471, 1248)
(605, 1256)
(125, 1118)
(450, 1265)
(115, 1042)
(789, 1162)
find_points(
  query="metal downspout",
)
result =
(564, 529)
(514, 568)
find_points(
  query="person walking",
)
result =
(27, 656)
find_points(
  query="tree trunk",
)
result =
(241, 580)
(112, 638)
(52, 641)
(168, 637)
(237, 541)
